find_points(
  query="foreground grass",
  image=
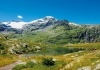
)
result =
(57, 66)
(91, 58)
(71, 61)
(7, 59)
(66, 61)
(40, 66)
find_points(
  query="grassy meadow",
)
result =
(88, 55)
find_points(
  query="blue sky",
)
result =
(78, 11)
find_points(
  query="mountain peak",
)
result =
(43, 20)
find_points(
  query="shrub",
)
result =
(48, 61)
(1, 47)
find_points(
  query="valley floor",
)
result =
(82, 60)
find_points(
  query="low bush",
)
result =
(48, 61)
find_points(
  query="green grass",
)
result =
(40, 65)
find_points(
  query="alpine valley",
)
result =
(49, 43)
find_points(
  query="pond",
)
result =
(53, 51)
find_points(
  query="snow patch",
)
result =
(73, 24)
(17, 25)
(39, 21)
(6, 23)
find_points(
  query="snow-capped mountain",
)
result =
(40, 23)
(34, 25)
(20, 24)
(43, 20)
(58, 31)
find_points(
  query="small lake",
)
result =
(55, 51)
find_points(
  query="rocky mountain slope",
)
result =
(51, 30)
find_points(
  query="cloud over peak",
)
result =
(20, 17)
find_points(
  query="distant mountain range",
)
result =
(39, 22)
(53, 30)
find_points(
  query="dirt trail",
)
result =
(9, 67)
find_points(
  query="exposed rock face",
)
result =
(3, 27)
(37, 48)
(40, 23)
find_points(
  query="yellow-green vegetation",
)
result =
(71, 61)
(64, 56)
(41, 62)
(91, 58)
(86, 45)
(7, 59)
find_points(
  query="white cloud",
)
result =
(20, 17)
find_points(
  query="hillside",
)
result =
(51, 30)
